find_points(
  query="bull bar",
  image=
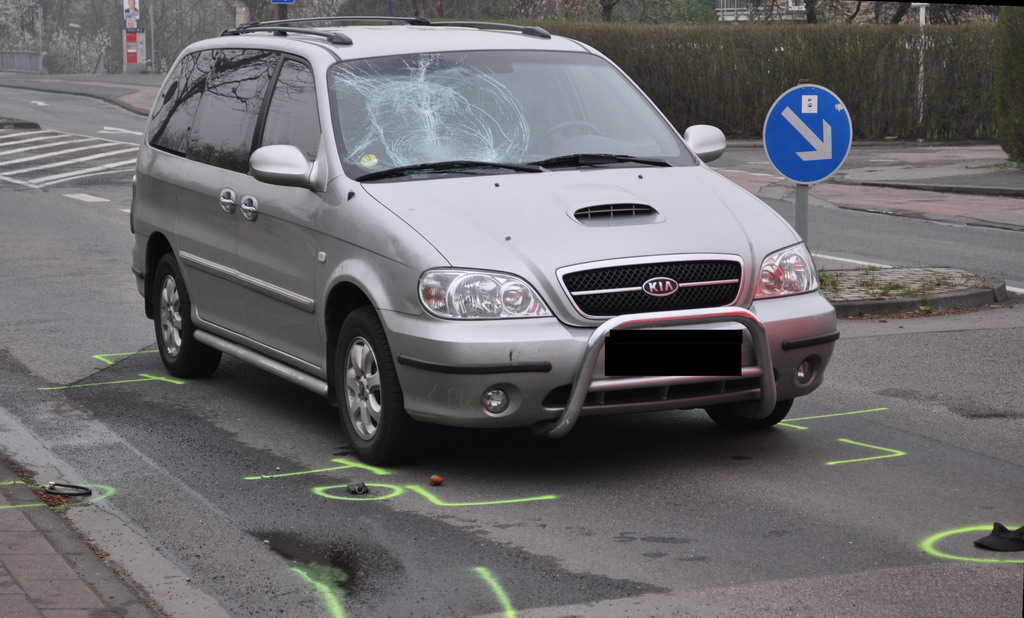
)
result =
(585, 372)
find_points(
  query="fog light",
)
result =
(805, 372)
(494, 401)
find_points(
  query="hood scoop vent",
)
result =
(609, 215)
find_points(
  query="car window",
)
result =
(292, 115)
(229, 109)
(503, 107)
(176, 104)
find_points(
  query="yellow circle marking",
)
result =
(928, 545)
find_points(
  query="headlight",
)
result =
(786, 272)
(468, 294)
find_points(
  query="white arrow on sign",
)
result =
(822, 146)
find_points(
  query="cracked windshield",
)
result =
(495, 108)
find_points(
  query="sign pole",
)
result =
(801, 211)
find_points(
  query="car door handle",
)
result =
(227, 201)
(250, 207)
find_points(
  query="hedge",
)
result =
(1009, 81)
(729, 76)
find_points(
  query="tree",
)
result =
(811, 7)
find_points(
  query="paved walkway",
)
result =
(46, 569)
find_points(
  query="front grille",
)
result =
(617, 290)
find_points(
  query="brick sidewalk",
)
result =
(41, 561)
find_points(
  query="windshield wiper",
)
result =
(441, 167)
(580, 160)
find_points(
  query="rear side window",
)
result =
(177, 102)
(292, 116)
(230, 107)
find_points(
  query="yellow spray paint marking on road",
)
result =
(789, 422)
(928, 546)
(437, 501)
(143, 377)
(103, 357)
(892, 453)
(345, 463)
(325, 492)
(331, 596)
(503, 599)
(396, 490)
(100, 492)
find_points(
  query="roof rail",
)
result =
(335, 38)
(527, 30)
(282, 27)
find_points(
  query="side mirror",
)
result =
(281, 164)
(706, 141)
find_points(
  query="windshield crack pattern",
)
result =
(434, 110)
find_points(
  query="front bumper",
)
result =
(554, 374)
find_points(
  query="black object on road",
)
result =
(61, 489)
(1003, 539)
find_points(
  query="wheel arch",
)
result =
(343, 298)
(156, 248)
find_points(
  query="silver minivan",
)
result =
(468, 224)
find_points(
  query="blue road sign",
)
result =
(282, 1)
(807, 133)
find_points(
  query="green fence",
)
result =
(729, 76)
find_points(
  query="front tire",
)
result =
(183, 356)
(726, 416)
(370, 400)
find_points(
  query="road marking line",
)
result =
(848, 260)
(98, 168)
(41, 146)
(127, 210)
(85, 197)
(719, 169)
(37, 138)
(788, 421)
(86, 174)
(333, 602)
(18, 182)
(45, 155)
(119, 130)
(8, 136)
(37, 135)
(892, 453)
(71, 161)
(438, 502)
(1015, 290)
(103, 357)
(346, 463)
(508, 610)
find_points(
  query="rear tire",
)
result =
(183, 356)
(370, 400)
(726, 416)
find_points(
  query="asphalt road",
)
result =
(230, 491)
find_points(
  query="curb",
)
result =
(19, 124)
(108, 99)
(961, 299)
(967, 190)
